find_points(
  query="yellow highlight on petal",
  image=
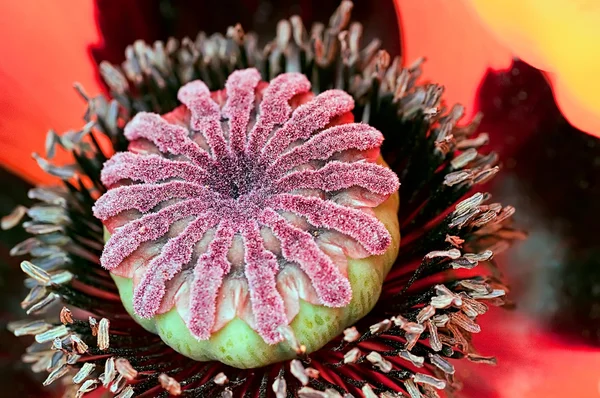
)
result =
(560, 37)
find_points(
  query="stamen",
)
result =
(41, 276)
(351, 334)
(429, 380)
(118, 384)
(78, 344)
(65, 316)
(87, 386)
(441, 363)
(84, 372)
(380, 327)
(368, 392)
(221, 379)
(14, 218)
(414, 359)
(298, 371)
(51, 334)
(280, 388)
(169, 384)
(56, 374)
(412, 389)
(352, 356)
(103, 336)
(93, 326)
(30, 328)
(482, 359)
(377, 360)
(125, 369)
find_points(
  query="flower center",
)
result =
(245, 208)
(234, 177)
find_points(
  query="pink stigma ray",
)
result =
(269, 173)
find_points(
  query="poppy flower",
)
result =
(420, 325)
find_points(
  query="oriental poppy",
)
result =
(423, 313)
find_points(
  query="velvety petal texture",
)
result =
(46, 48)
(559, 37)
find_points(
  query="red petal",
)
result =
(45, 48)
(559, 37)
(531, 362)
(459, 50)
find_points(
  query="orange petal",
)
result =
(560, 37)
(45, 48)
(458, 49)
